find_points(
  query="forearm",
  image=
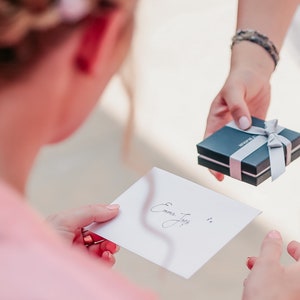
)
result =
(269, 17)
(247, 90)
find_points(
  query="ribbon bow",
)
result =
(273, 137)
(275, 141)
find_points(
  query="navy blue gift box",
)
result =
(215, 151)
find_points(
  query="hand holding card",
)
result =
(161, 213)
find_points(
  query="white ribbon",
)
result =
(275, 142)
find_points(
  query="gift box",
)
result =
(252, 155)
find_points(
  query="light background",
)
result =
(180, 58)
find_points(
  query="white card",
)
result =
(174, 222)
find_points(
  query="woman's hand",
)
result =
(269, 279)
(69, 225)
(246, 91)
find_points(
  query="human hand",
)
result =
(269, 279)
(69, 225)
(246, 93)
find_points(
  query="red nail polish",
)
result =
(111, 247)
(250, 263)
(219, 176)
(88, 240)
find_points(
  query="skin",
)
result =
(58, 107)
(247, 89)
(60, 98)
(247, 92)
(68, 225)
(269, 279)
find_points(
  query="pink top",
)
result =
(36, 264)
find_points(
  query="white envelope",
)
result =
(174, 222)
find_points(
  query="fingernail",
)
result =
(249, 263)
(274, 234)
(113, 206)
(219, 176)
(244, 123)
(106, 255)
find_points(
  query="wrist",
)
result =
(259, 39)
(252, 57)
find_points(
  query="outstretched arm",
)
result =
(247, 88)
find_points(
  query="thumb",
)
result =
(239, 108)
(83, 216)
(271, 248)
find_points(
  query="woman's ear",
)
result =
(105, 40)
(90, 43)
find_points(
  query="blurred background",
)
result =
(178, 63)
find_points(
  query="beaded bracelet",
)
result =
(259, 39)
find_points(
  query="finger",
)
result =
(250, 262)
(238, 107)
(104, 246)
(105, 256)
(218, 116)
(83, 216)
(271, 248)
(109, 246)
(293, 249)
(219, 176)
(94, 249)
(102, 243)
(108, 258)
(95, 237)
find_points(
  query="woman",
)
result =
(56, 58)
